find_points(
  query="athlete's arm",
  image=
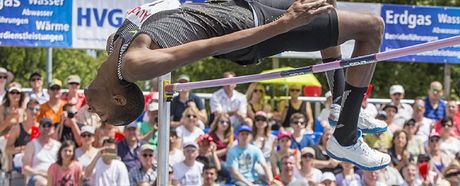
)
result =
(142, 63)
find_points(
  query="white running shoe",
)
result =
(359, 154)
(366, 123)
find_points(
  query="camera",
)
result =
(71, 114)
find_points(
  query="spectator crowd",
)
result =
(47, 137)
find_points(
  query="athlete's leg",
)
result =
(346, 144)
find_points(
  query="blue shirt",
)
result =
(127, 156)
(244, 160)
(306, 141)
(435, 114)
(178, 107)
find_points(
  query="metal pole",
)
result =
(163, 134)
(447, 72)
(49, 65)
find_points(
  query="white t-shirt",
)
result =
(220, 102)
(450, 146)
(176, 157)
(188, 176)
(424, 129)
(188, 136)
(404, 113)
(110, 175)
(85, 159)
(316, 175)
(371, 110)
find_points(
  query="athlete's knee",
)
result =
(374, 27)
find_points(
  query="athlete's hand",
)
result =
(302, 12)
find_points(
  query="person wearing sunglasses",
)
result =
(147, 171)
(72, 95)
(189, 130)
(435, 106)
(294, 105)
(222, 134)
(307, 170)
(453, 113)
(405, 111)
(262, 134)
(438, 159)
(36, 83)
(189, 171)
(129, 148)
(5, 78)
(255, 96)
(12, 109)
(449, 144)
(40, 153)
(86, 152)
(414, 145)
(54, 108)
(23, 133)
(422, 123)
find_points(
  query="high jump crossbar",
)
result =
(338, 64)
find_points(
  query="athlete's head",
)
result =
(116, 102)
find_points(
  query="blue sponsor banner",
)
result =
(410, 25)
(36, 23)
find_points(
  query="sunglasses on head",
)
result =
(294, 90)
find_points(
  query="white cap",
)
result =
(328, 94)
(396, 89)
(152, 106)
(327, 176)
(183, 77)
(87, 128)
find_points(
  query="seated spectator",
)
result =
(108, 170)
(73, 96)
(39, 154)
(288, 169)
(263, 137)
(371, 178)
(284, 143)
(149, 128)
(222, 135)
(86, 152)
(438, 159)
(404, 110)
(452, 174)
(207, 151)
(414, 145)
(12, 109)
(369, 108)
(189, 171)
(410, 175)
(53, 109)
(22, 134)
(400, 156)
(129, 148)
(449, 144)
(88, 118)
(68, 129)
(5, 78)
(146, 172)
(307, 171)
(391, 111)
(348, 175)
(106, 131)
(435, 106)
(295, 105)
(328, 179)
(423, 124)
(187, 99)
(300, 137)
(175, 151)
(37, 93)
(209, 175)
(323, 162)
(255, 96)
(189, 131)
(66, 170)
(323, 117)
(379, 141)
(451, 112)
(242, 158)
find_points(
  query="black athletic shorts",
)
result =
(321, 33)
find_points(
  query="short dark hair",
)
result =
(209, 166)
(64, 145)
(134, 105)
(32, 102)
(445, 120)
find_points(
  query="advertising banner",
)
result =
(410, 25)
(36, 23)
